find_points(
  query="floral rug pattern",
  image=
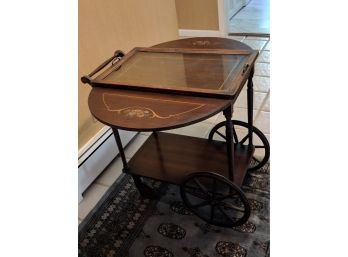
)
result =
(127, 225)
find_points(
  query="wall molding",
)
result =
(97, 154)
(199, 33)
(92, 144)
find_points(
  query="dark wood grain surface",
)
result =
(169, 157)
(205, 43)
(146, 111)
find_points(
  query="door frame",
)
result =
(223, 17)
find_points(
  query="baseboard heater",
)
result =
(96, 155)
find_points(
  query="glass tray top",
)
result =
(212, 72)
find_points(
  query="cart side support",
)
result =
(229, 140)
(120, 149)
(144, 190)
(250, 99)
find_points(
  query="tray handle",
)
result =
(245, 68)
(114, 59)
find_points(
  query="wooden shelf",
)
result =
(170, 158)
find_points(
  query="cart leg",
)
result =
(229, 141)
(144, 190)
(250, 99)
(120, 149)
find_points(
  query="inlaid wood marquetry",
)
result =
(205, 43)
(134, 110)
(143, 107)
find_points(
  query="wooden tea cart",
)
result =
(176, 84)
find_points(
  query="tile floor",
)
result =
(261, 120)
(252, 18)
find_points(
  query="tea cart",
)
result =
(176, 84)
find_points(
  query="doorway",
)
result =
(252, 17)
(244, 17)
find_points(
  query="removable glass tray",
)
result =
(216, 73)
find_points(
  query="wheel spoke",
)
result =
(223, 197)
(231, 206)
(203, 189)
(191, 187)
(212, 212)
(204, 203)
(244, 139)
(194, 193)
(235, 135)
(198, 194)
(224, 213)
(259, 146)
(216, 194)
(220, 134)
(214, 188)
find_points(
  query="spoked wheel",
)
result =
(240, 136)
(215, 199)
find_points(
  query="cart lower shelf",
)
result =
(170, 158)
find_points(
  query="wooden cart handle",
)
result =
(115, 58)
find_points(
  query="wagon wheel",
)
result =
(215, 199)
(240, 136)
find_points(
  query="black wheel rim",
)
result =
(215, 199)
(240, 136)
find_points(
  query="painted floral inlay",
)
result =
(137, 112)
(201, 43)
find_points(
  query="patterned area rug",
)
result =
(127, 225)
